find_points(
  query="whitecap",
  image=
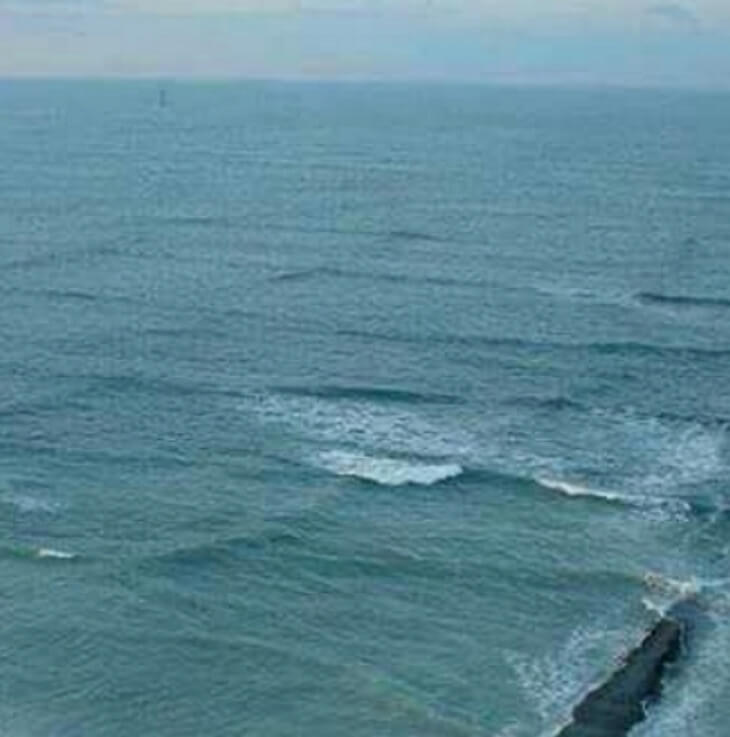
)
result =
(28, 504)
(572, 489)
(666, 592)
(362, 423)
(673, 505)
(57, 554)
(387, 471)
(674, 586)
(692, 456)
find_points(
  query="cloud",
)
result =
(674, 14)
(522, 41)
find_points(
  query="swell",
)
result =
(200, 221)
(67, 294)
(394, 234)
(561, 403)
(331, 272)
(656, 298)
(103, 384)
(618, 348)
(366, 393)
(556, 403)
(226, 551)
(320, 559)
(414, 235)
(32, 553)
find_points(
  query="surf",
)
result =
(622, 700)
(387, 471)
(575, 490)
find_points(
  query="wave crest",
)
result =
(388, 471)
(57, 554)
(571, 489)
(673, 505)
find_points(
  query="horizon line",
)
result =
(568, 85)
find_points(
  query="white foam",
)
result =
(689, 704)
(51, 553)
(572, 489)
(554, 682)
(364, 424)
(664, 584)
(666, 592)
(674, 590)
(387, 471)
(28, 504)
(658, 503)
(692, 456)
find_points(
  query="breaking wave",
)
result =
(614, 497)
(57, 554)
(387, 471)
(34, 553)
(28, 504)
(571, 489)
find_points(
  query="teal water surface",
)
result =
(358, 409)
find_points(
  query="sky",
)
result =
(568, 42)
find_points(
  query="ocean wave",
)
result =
(687, 457)
(387, 471)
(56, 554)
(681, 589)
(36, 553)
(709, 421)
(369, 275)
(668, 592)
(653, 349)
(130, 383)
(225, 550)
(198, 220)
(572, 489)
(339, 273)
(378, 428)
(70, 294)
(366, 393)
(414, 235)
(619, 348)
(656, 298)
(465, 341)
(555, 404)
(28, 504)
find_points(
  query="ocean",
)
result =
(377, 410)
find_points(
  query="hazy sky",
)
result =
(522, 41)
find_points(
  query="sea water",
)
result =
(358, 409)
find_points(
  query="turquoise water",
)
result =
(358, 409)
